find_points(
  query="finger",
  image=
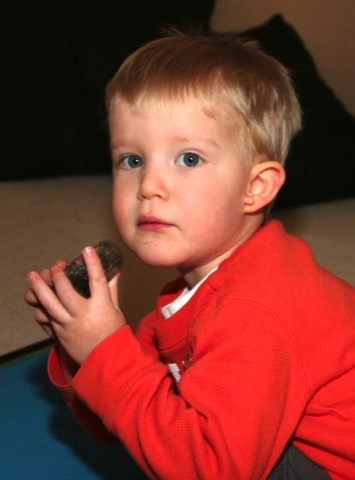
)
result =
(31, 298)
(65, 291)
(61, 264)
(46, 275)
(46, 297)
(41, 315)
(48, 330)
(42, 318)
(97, 278)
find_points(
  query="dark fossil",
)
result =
(111, 259)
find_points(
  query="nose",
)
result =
(152, 184)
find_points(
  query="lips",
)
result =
(152, 223)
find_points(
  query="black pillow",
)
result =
(321, 162)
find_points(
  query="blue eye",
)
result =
(131, 161)
(189, 159)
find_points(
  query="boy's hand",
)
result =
(41, 315)
(79, 324)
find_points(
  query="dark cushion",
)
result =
(321, 162)
(56, 58)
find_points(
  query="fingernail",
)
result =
(88, 250)
(55, 269)
(60, 264)
(32, 276)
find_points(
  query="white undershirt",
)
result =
(173, 307)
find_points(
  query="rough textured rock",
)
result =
(111, 259)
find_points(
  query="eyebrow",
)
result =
(175, 138)
(119, 143)
(181, 139)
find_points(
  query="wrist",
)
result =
(69, 366)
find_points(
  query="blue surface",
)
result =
(39, 437)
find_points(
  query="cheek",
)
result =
(221, 215)
(120, 208)
(222, 199)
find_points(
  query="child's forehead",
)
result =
(179, 120)
(215, 107)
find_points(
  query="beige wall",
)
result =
(327, 28)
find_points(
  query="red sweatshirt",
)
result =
(266, 353)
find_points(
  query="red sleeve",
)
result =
(227, 418)
(146, 336)
(90, 422)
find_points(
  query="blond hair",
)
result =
(214, 68)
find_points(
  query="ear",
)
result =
(266, 179)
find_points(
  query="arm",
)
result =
(90, 422)
(227, 420)
(52, 317)
(64, 316)
(59, 374)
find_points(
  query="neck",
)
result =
(192, 275)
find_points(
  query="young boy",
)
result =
(252, 348)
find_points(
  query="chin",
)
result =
(156, 258)
(157, 253)
(156, 262)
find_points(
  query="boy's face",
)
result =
(180, 179)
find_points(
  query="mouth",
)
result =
(151, 223)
